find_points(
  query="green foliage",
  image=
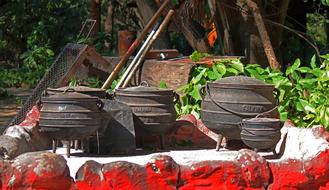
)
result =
(196, 56)
(316, 28)
(303, 91)
(325, 2)
(162, 84)
(31, 31)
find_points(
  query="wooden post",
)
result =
(263, 35)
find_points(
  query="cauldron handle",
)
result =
(69, 90)
(229, 110)
(144, 83)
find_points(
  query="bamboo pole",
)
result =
(137, 57)
(132, 48)
(148, 47)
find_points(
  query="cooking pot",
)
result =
(70, 115)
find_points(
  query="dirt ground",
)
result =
(10, 105)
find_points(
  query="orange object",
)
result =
(212, 36)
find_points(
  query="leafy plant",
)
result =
(303, 91)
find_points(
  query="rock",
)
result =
(125, 175)
(90, 176)
(37, 170)
(10, 147)
(305, 159)
(24, 137)
(247, 171)
(162, 173)
(32, 117)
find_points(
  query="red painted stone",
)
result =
(32, 117)
(38, 171)
(124, 175)
(307, 173)
(162, 173)
(294, 174)
(89, 176)
(248, 171)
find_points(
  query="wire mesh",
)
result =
(62, 64)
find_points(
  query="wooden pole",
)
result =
(148, 47)
(268, 48)
(132, 48)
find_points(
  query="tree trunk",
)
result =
(263, 35)
(95, 14)
(108, 25)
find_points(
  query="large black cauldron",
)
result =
(70, 115)
(153, 107)
(232, 99)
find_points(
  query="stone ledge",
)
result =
(304, 164)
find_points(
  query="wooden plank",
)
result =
(99, 61)
(173, 73)
(78, 62)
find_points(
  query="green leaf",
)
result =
(162, 84)
(283, 116)
(221, 69)
(304, 69)
(195, 93)
(293, 67)
(197, 79)
(307, 106)
(233, 71)
(236, 64)
(312, 63)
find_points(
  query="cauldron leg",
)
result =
(87, 146)
(68, 148)
(276, 155)
(54, 145)
(162, 143)
(219, 142)
(76, 144)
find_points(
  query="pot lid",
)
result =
(240, 80)
(144, 87)
(76, 89)
(69, 94)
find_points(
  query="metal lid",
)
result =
(76, 89)
(240, 80)
(144, 87)
(69, 95)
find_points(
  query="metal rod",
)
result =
(134, 61)
(149, 45)
(132, 48)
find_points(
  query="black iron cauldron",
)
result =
(70, 115)
(153, 107)
(261, 133)
(231, 99)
